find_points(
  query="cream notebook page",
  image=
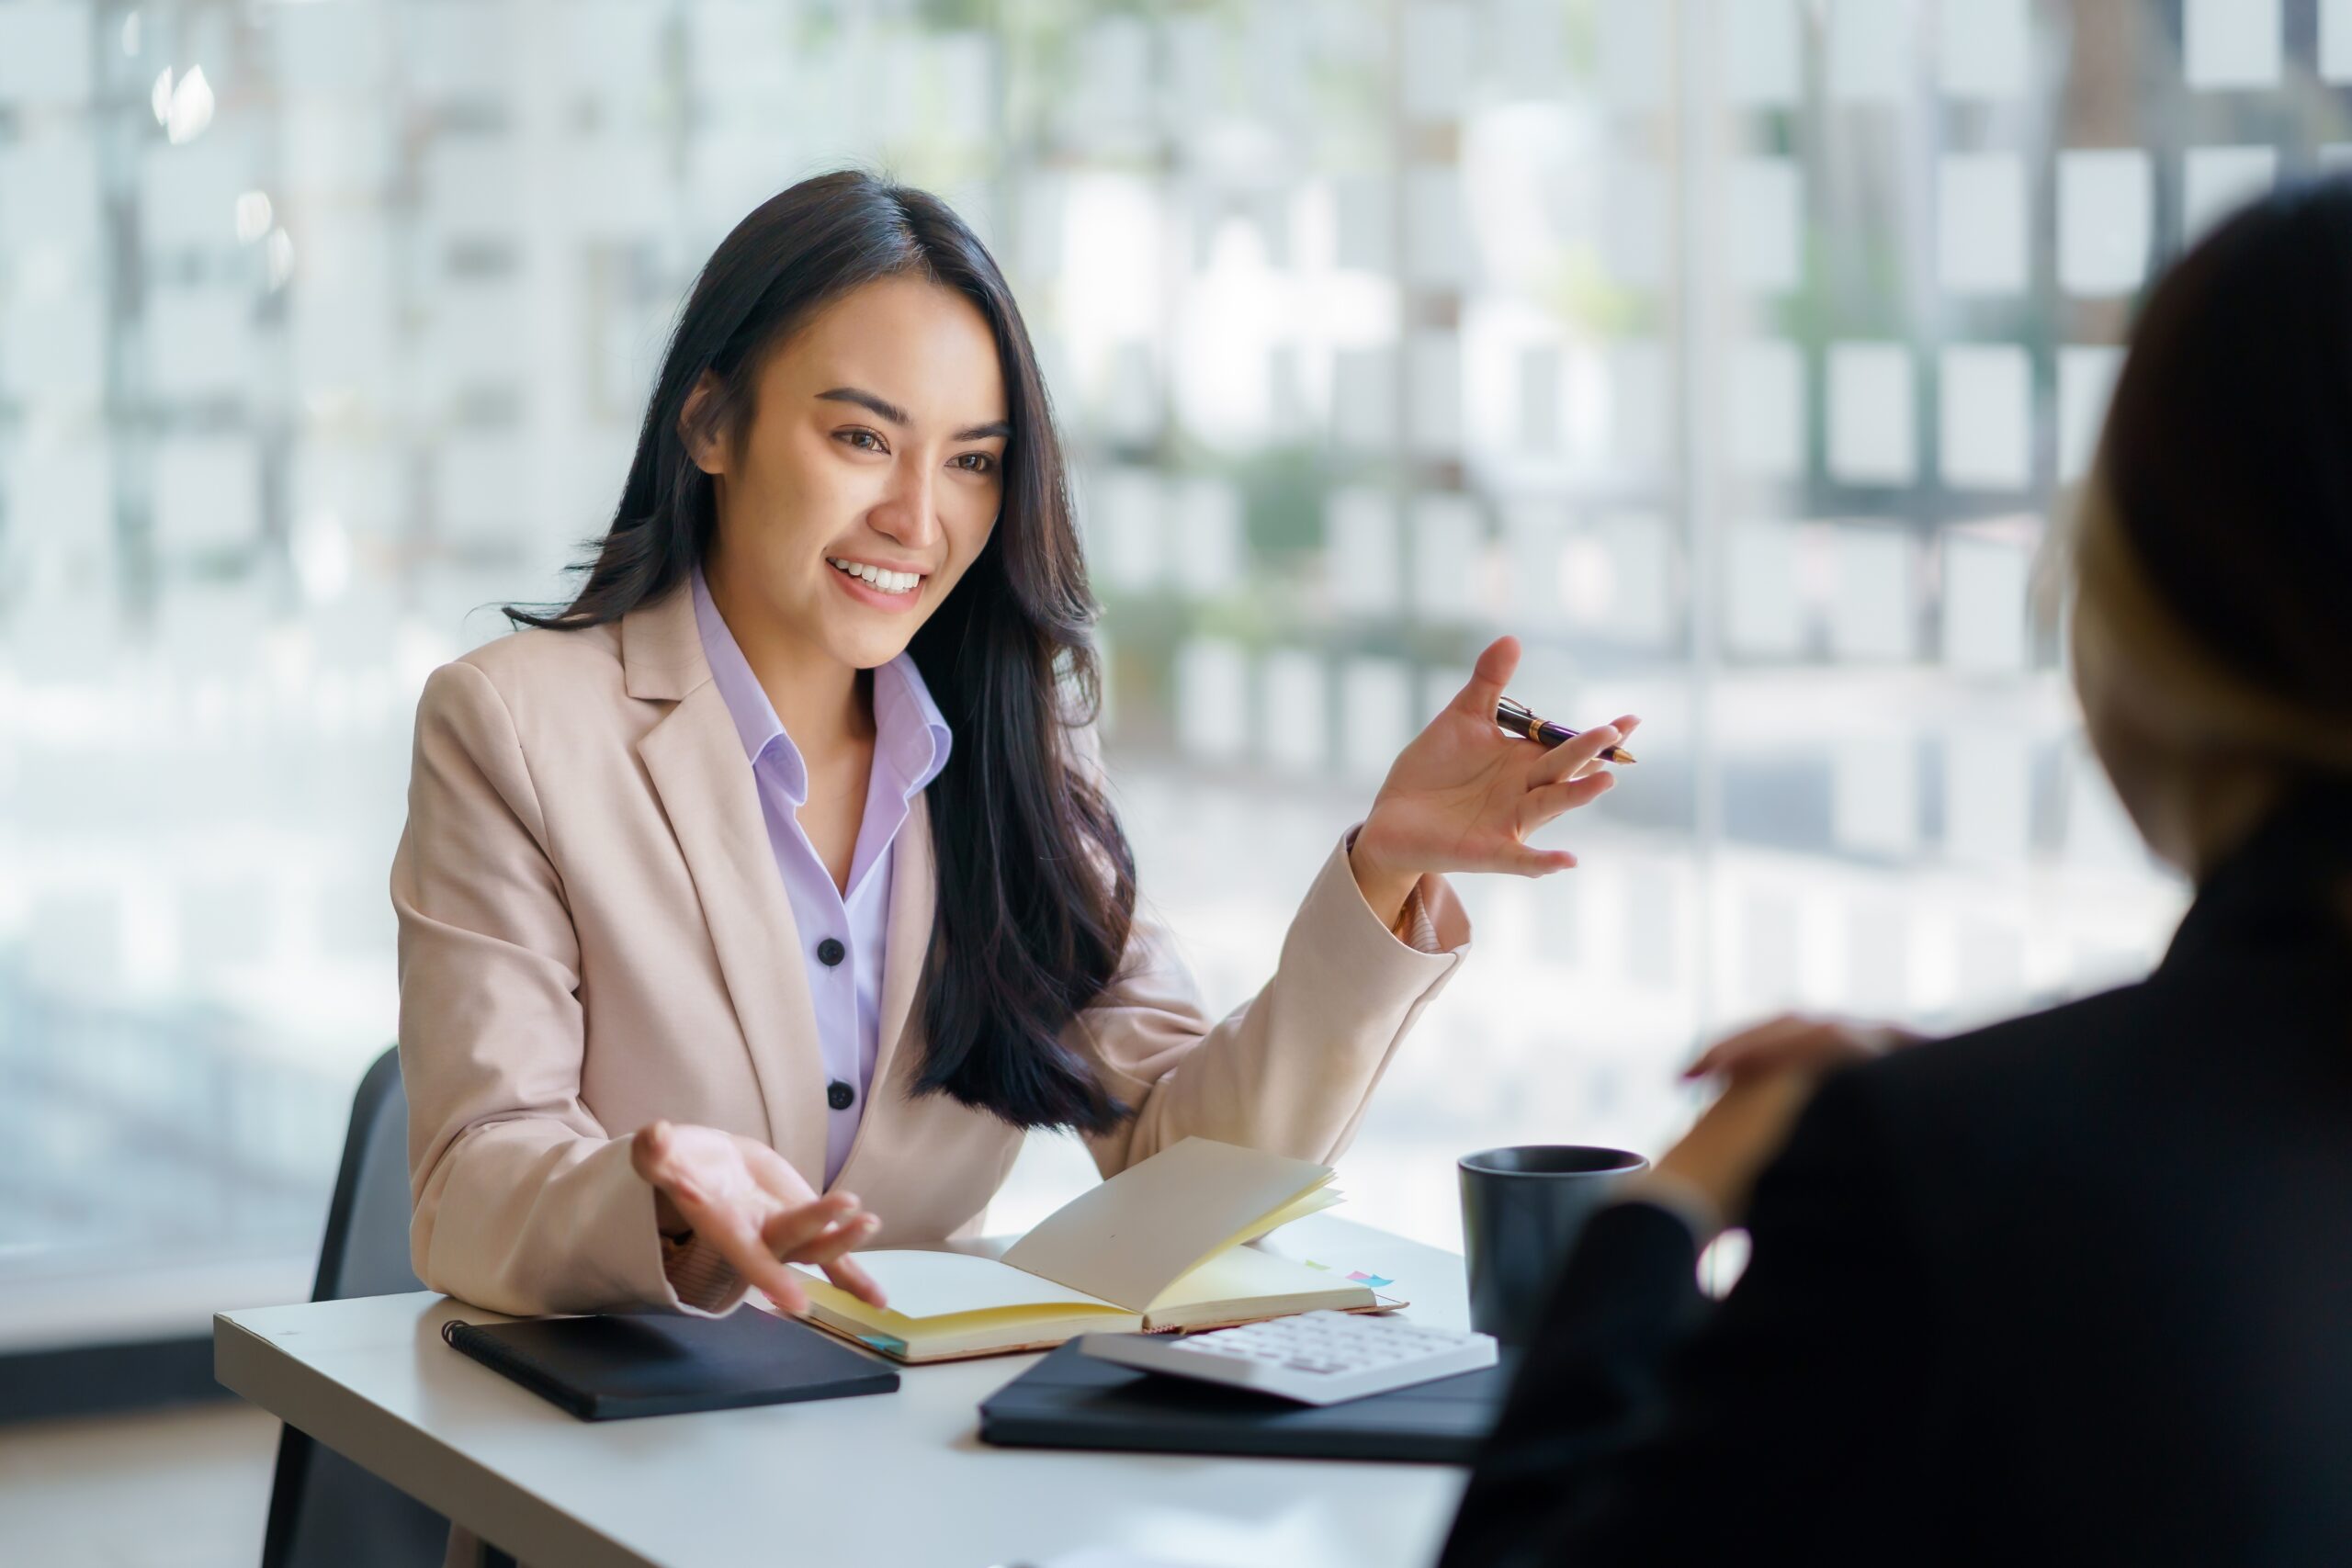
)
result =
(939, 1284)
(1129, 1239)
(1243, 1274)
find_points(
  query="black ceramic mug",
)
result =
(1522, 1208)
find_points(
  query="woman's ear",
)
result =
(698, 431)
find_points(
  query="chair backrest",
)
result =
(366, 1249)
(325, 1511)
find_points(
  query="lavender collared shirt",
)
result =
(910, 741)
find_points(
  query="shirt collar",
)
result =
(910, 736)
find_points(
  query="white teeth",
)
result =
(880, 577)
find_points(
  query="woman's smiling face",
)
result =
(868, 477)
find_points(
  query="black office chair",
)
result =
(325, 1511)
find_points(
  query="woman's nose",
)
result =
(908, 510)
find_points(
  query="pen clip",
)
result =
(1516, 717)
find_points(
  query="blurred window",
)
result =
(1735, 353)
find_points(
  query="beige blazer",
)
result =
(594, 935)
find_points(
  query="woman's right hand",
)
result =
(745, 1199)
(1768, 1073)
(1797, 1041)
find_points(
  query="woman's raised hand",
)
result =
(745, 1199)
(1465, 794)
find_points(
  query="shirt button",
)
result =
(831, 952)
(838, 1095)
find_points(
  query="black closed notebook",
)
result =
(611, 1367)
(1069, 1400)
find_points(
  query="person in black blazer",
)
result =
(2076, 1288)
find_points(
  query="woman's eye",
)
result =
(975, 462)
(864, 440)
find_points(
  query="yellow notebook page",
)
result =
(920, 1284)
(946, 1325)
(1139, 1233)
(1297, 1208)
(1256, 1282)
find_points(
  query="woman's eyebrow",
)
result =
(884, 409)
(880, 407)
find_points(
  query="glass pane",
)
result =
(1743, 370)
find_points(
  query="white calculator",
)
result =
(1316, 1358)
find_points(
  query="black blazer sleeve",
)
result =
(1647, 1427)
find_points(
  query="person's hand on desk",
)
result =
(1768, 1073)
(1465, 794)
(748, 1201)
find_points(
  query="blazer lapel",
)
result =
(914, 902)
(696, 759)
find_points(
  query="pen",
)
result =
(1520, 720)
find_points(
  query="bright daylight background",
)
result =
(1738, 354)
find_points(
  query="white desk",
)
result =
(895, 1479)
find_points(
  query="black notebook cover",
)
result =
(606, 1368)
(1069, 1400)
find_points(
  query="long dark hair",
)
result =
(2228, 446)
(1037, 883)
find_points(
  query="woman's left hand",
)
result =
(1465, 794)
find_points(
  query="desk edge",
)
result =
(404, 1455)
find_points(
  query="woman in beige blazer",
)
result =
(831, 666)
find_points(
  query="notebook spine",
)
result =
(500, 1358)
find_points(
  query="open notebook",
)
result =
(1158, 1246)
